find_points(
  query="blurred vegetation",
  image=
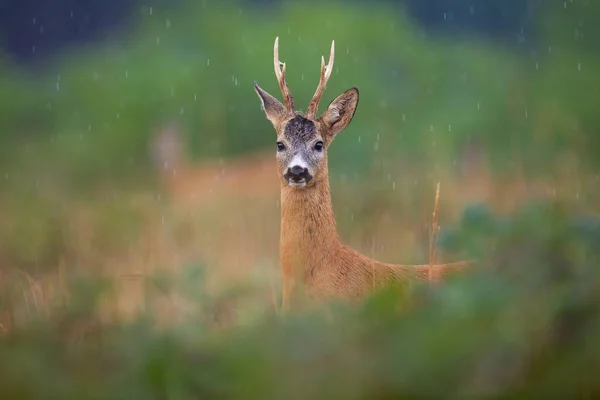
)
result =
(88, 118)
(524, 325)
(74, 146)
(422, 97)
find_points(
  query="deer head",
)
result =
(303, 139)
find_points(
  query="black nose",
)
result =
(297, 174)
(298, 171)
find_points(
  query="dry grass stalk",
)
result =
(434, 230)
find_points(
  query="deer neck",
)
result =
(308, 230)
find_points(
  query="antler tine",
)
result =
(325, 74)
(280, 74)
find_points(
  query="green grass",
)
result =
(423, 98)
(522, 325)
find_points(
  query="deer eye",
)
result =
(319, 146)
(280, 146)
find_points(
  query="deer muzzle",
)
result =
(297, 176)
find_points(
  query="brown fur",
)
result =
(313, 261)
(312, 255)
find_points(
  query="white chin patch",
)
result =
(297, 184)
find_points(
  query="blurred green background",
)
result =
(423, 94)
(508, 123)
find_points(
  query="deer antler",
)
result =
(280, 74)
(325, 74)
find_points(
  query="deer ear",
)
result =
(273, 108)
(340, 111)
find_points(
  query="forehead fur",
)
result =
(300, 129)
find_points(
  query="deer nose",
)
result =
(298, 172)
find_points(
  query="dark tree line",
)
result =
(32, 30)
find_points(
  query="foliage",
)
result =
(422, 98)
(523, 325)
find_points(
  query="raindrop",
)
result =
(403, 117)
(351, 215)
(431, 128)
(359, 139)
(150, 10)
(208, 62)
(33, 49)
(537, 65)
(578, 66)
(89, 127)
(118, 116)
(472, 10)
(172, 92)
(526, 113)
(302, 76)
(195, 97)
(71, 14)
(549, 49)
(394, 185)
(376, 146)
(416, 181)
(181, 110)
(449, 127)
(126, 73)
(444, 16)
(34, 20)
(299, 40)
(158, 41)
(478, 107)
(168, 23)
(162, 219)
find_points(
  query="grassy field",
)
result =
(120, 279)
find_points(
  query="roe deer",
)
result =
(313, 261)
